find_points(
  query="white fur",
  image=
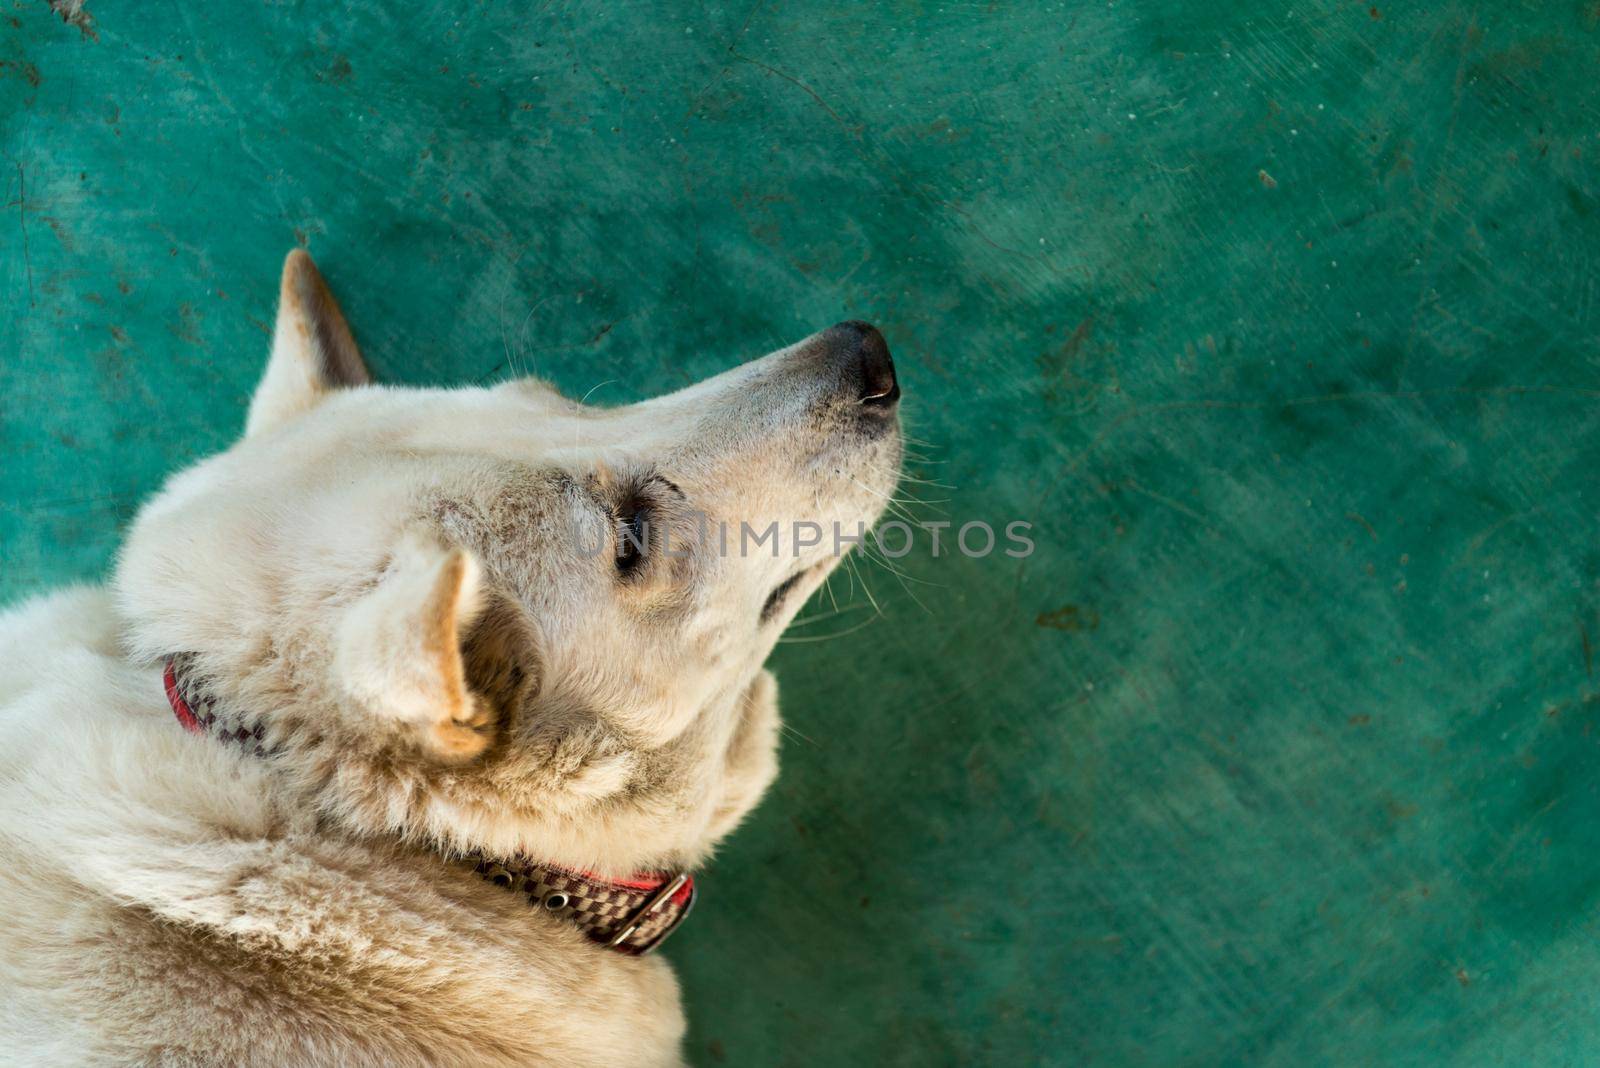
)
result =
(388, 581)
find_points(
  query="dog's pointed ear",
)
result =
(313, 351)
(398, 650)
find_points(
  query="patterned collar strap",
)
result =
(632, 916)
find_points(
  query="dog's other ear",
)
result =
(397, 651)
(313, 351)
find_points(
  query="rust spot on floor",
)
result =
(1057, 361)
(1398, 810)
(1074, 344)
(338, 71)
(29, 72)
(1070, 618)
(187, 329)
(62, 236)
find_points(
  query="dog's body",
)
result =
(395, 588)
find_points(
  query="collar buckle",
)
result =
(657, 901)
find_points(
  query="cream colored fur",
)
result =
(390, 581)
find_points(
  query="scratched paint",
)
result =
(1279, 325)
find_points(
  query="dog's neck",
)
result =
(632, 915)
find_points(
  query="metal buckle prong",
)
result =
(661, 897)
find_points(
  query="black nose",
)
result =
(870, 366)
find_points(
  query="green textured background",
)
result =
(1278, 321)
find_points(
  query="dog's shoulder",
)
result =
(164, 909)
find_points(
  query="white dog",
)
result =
(406, 719)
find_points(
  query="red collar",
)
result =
(632, 916)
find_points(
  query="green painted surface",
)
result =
(1280, 326)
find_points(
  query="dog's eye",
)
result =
(633, 536)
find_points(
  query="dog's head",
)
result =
(497, 619)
